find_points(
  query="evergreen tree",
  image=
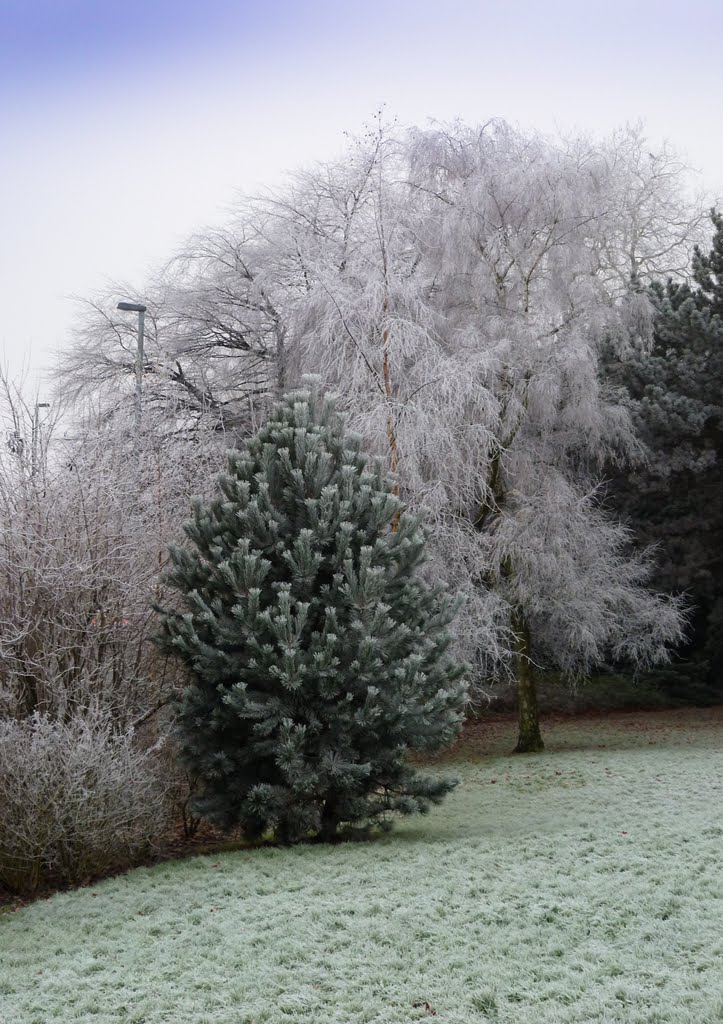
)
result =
(676, 499)
(678, 385)
(317, 657)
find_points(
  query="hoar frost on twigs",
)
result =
(455, 286)
(77, 798)
(86, 521)
(472, 269)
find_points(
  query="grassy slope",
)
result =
(575, 886)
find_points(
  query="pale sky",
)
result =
(125, 126)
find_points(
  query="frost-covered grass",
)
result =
(579, 885)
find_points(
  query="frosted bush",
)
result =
(76, 799)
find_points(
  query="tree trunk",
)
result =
(328, 833)
(389, 396)
(529, 740)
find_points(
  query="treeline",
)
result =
(507, 320)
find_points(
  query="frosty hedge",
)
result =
(317, 657)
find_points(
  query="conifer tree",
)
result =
(317, 657)
(678, 384)
(675, 500)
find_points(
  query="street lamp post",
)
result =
(140, 309)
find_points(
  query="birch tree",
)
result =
(459, 290)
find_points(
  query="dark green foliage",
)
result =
(678, 385)
(676, 499)
(317, 656)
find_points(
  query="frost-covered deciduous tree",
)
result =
(317, 657)
(84, 526)
(462, 313)
(208, 351)
(654, 217)
(360, 315)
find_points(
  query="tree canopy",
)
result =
(457, 286)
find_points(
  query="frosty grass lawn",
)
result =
(579, 885)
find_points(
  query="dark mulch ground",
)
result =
(175, 846)
(494, 735)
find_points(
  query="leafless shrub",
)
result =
(84, 530)
(76, 799)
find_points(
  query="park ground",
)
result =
(578, 885)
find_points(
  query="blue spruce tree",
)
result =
(317, 657)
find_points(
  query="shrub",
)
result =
(77, 799)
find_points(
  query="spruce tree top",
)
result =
(317, 655)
